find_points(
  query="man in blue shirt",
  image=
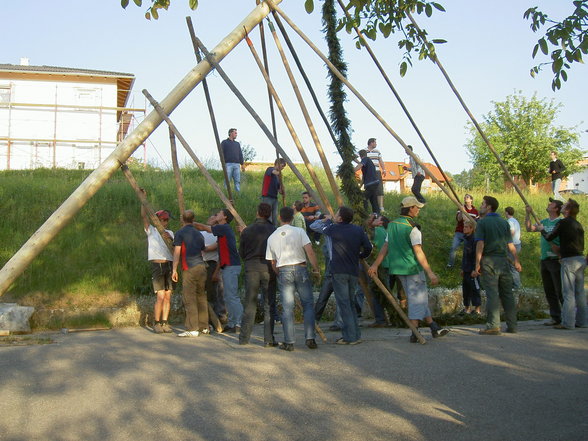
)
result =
(233, 158)
(370, 181)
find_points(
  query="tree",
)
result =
(523, 132)
(156, 5)
(569, 37)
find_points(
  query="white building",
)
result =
(59, 117)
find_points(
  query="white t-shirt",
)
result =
(156, 247)
(209, 239)
(515, 230)
(286, 246)
(416, 237)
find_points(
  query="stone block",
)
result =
(15, 318)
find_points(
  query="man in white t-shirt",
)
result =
(160, 258)
(515, 232)
(287, 249)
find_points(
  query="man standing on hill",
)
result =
(555, 169)
(493, 242)
(188, 246)
(418, 176)
(160, 259)
(233, 158)
(271, 187)
(550, 266)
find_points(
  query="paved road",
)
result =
(129, 384)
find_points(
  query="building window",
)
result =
(87, 97)
(4, 94)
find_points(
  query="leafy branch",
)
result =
(156, 5)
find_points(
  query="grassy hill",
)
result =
(99, 259)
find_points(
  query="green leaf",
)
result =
(439, 41)
(193, 4)
(543, 46)
(564, 75)
(557, 65)
(138, 2)
(147, 15)
(124, 3)
(403, 67)
(428, 10)
(535, 49)
(438, 7)
(154, 13)
(309, 6)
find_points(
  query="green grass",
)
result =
(99, 259)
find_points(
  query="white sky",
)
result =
(488, 56)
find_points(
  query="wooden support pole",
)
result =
(435, 60)
(74, 203)
(365, 43)
(177, 175)
(257, 119)
(157, 224)
(288, 123)
(341, 77)
(200, 165)
(211, 112)
(313, 134)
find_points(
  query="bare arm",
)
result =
(202, 227)
(513, 252)
(311, 257)
(422, 260)
(382, 166)
(373, 270)
(479, 252)
(177, 251)
(530, 228)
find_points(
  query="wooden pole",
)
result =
(295, 138)
(339, 75)
(63, 215)
(257, 119)
(313, 134)
(157, 224)
(200, 165)
(178, 177)
(365, 43)
(211, 111)
(435, 60)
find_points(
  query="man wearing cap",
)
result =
(493, 243)
(407, 260)
(160, 258)
(550, 266)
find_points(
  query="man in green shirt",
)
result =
(550, 266)
(493, 242)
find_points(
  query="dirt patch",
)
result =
(25, 340)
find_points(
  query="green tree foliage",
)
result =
(156, 5)
(564, 41)
(523, 132)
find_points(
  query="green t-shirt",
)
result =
(495, 232)
(546, 252)
(401, 258)
(379, 240)
(298, 221)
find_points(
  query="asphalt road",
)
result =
(130, 384)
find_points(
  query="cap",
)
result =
(163, 214)
(557, 202)
(411, 201)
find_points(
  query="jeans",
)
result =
(516, 276)
(294, 278)
(345, 286)
(574, 298)
(555, 187)
(470, 288)
(496, 279)
(234, 173)
(194, 297)
(551, 278)
(417, 295)
(417, 182)
(257, 276)
(230, 275)
(458, 239)
(370, 195)
(272, 202)
(214, 292)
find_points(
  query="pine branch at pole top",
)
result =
(339, 75)
(176, 167)
(39, 240)
(313, 134)
(435, 60)
(211, 111)
(271, 106)
(256, 117)
(203, 170)
(365, 43)
(290, 127)
(306, 80)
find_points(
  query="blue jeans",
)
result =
(345, 286)
(516, 276)
(294, 278)
(458, 239)
(496, 279)
(574, 298)
(234, 173)
(555, 187)
(230, 275)
(272, 202)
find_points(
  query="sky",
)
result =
(487, 56)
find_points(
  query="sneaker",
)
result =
(440, 332)
(167, 328)
(158, 329)
(205, 331)
(511, 330)
(230, 329)
(551, 323)
(272, 344)
(560, 326)
(356, 342)
(189, 334)
(449, 265)
(311, 343)
(286, 346)
(413, 338)
(491, 331)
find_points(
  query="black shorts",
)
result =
(161, 276)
